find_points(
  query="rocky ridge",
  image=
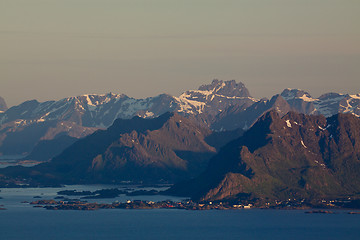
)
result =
(238, 116)
(220, 105)
(296, 156)
(84, 114)
(168, 148)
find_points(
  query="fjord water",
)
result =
(22, 221)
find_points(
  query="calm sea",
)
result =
(22, 221)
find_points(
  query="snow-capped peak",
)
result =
(290, 94)
(220, 93)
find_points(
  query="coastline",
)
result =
(168, 204)
(136, 196)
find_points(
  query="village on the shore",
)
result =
(76, 204)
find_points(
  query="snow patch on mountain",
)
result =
(291, 94)
(303, 144)
(188, 105)
(288, 123)
(306, 98)
(357, 96)
(321, 128)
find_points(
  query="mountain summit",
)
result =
(209, 100)
(226, 88)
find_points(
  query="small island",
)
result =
(107, 193)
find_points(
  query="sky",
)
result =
(51, 49)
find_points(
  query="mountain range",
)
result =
(220, 105)
(216, 143)
(167, 149)
(280, 157)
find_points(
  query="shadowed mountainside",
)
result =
(164, 149)
(294, 156)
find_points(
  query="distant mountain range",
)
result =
(296, 156)
(221, 105)
(101, 111)
(229, 144)
(165, 149)
(291, 156)
(239, 116)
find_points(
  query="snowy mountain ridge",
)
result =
(94, 110)
(327, 104)
(220, 105)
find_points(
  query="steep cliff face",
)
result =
(295, 156)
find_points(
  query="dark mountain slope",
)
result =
(19, 137)
(244, 115)
(296, 156)
(164, 149)
(45, 150)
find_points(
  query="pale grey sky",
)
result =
(50, 49)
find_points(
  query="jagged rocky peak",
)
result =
(266, 122)
(3, 106)
(211, 99)
(280, 104)
(96, 99)
(289, 94)
(227, 88)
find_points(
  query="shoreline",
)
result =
(70, 199)
(183, 205)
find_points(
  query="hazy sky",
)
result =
(50, 49)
